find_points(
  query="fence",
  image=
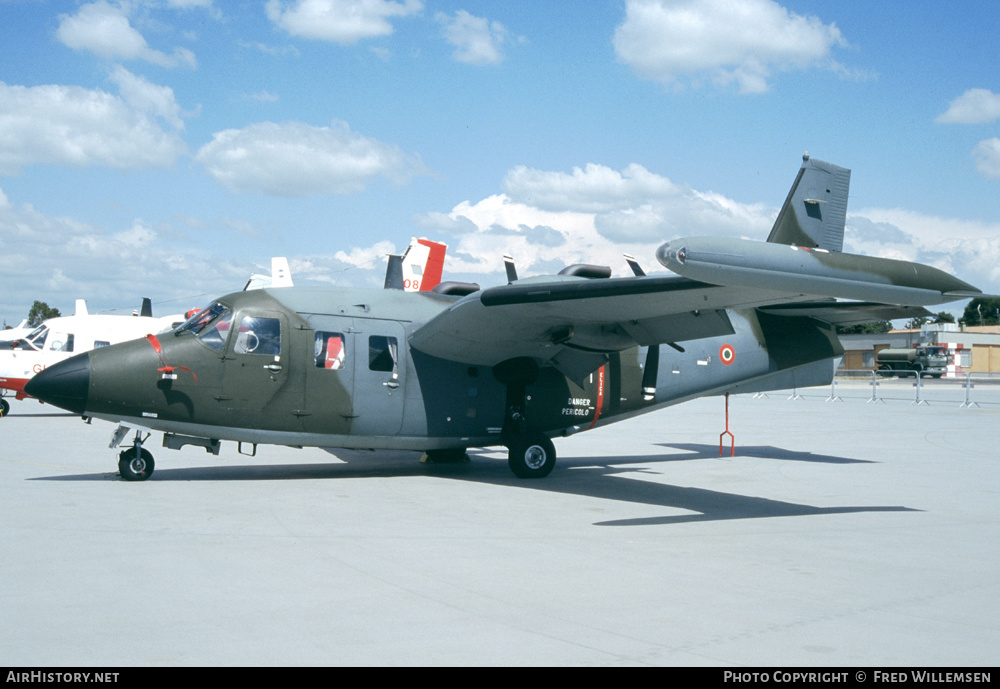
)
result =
(967, 390)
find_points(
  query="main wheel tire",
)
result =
(135, 468)
(4, 407)
(532, 457)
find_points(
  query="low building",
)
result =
(974, 349)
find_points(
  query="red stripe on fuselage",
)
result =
(600, 396)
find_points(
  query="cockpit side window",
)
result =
(330, 351)
(61, 342)
(258, 335)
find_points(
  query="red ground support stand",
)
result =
(732, 447)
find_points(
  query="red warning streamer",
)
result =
(159, 354)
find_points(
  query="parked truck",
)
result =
(927, 359)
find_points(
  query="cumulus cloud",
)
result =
(588, 215)
(53, 259)
(966, 248)
(340, 21)
(987, 157)
(71, 125)
(477, 40)
(592, 188)
(975, 106)
(105, 30)
(722, 41)
(634, 204)
(978, 106)
(297, 160)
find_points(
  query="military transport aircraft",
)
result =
(514, 365)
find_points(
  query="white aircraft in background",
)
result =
(15, 333)
(62, 337)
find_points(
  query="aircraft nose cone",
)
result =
(65, 384)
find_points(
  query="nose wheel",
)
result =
(135, 463)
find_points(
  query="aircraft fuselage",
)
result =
(333, 368)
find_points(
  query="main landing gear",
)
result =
(530, 453)
(531, 456)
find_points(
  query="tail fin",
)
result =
(815, 211)
(394, 272)
(281, 274)
(419, 269)
(423, 264)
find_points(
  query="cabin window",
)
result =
(329, 350)
(258, 335)
(382, 354)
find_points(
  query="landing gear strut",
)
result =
(530, 453)
(135, 463)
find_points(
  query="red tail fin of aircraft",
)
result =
(423, 264)
(419, 269)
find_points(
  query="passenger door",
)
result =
(329, 381)
(379, 377)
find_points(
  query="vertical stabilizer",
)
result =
(281, 274)
(420, 267)
(815, 211)
(394, 272)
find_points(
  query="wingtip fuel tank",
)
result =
(810, 271)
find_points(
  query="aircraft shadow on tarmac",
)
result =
(696, 451)
(608, 478)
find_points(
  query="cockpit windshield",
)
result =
(36, 338)
(210, 325)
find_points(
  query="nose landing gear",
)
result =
(135, 463)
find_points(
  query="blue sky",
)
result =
(169, 148)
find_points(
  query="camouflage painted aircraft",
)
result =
(514, 365)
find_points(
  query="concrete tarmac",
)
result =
(840, 534)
